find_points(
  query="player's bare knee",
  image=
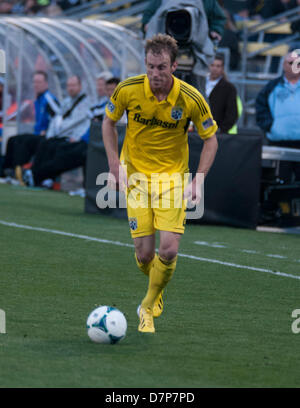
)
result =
(168, 253)
(145, 256)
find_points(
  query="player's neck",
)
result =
(162, 93)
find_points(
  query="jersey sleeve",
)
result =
(203, 119)
(117, 104)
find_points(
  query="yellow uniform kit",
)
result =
(156, 145)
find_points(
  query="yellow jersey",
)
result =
(156, 138)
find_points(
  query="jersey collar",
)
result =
(173, 94)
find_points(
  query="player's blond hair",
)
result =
(162, 42)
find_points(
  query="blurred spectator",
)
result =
(33, 7)
(71, 121)
(101, 86)
(58, 155)
(6, 7)
(230, 40)
(20, 148)
(273, 7)
(242, 9)
(277, 110)
(295, 26)
(222, 96)
(67, 4)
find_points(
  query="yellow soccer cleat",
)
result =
(158, 305)
(146, 321)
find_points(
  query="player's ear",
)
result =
(174, 66)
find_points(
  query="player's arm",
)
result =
(206, 127)
(113, 112)
(208, 154)
(207, 157)
(110, 140)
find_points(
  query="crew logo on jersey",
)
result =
(110, 106)
(176, 113)
(207, 123)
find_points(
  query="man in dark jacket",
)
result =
(222, 96)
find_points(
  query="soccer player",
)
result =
(159, 109)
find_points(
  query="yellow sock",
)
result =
(145, 268)
(159, 276)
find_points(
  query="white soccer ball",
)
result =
(106, 325)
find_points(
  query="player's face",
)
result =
(159, 71)
(216, 69)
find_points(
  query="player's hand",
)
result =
(117, 178)
(193, 192)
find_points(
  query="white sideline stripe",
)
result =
(250, 251)
(251, 268)
(289, 230)
(212, 245)
(118, 243)
(247, 251)
(68, 234)
(276, 256)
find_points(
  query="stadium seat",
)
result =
(129, 21)
(277, 51)
(275, 27)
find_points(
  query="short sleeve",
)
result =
(203, 119)
(117, 104)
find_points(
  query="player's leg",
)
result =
(163, 267)
(144, 252)
(143, 233)
(170, 222)
(145, 257)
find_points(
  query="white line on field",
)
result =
(123, 244)
(212, 245)
(276, 256)
(247, 251)
(67, 234)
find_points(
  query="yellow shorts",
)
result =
(156, 206)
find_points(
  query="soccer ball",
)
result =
(106, 325)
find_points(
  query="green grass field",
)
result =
(223, 325)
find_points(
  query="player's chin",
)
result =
(156, 84)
